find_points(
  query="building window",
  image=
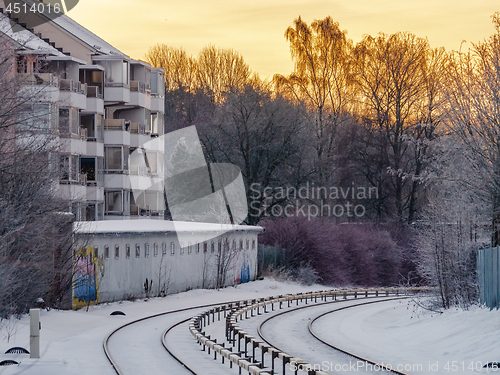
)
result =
(96, 251)
(163, 249)
(69, 122)
(106, 252)
(137, 250)
(219, 246)
(127, 251)
(248, 244)
(117, 251)
(114, 201)
(205, 247)
(116, 158)
(190, 247)
(234, 244)
(198, 247)
(181, 248)
(212, 247)
(241, 244)
(70, 168)
(146, 250)
(172, 248)
(155, 249)
(253, 244)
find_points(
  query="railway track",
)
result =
(171, 352)
(233, 353)
(253, 359)
(348, 354)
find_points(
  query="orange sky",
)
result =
(256, 28)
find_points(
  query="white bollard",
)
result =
(34, 333)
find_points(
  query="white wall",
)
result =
(122, 278)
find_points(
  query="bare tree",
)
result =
(398, 81)
(454, 225)
(35, 232)
(221, 71)
(321, 81)
(474, 113)
(264, 137)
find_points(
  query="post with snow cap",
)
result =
(34, 333)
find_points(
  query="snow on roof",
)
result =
(86, 36)
(26, 39)
(152, 225)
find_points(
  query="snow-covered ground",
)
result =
(389, 332)
(419, 341)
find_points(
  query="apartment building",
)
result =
(108, 109)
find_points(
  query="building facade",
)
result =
(147, 258)
(104, 106)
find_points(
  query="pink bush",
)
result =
(345, 254)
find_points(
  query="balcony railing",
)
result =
(117, 124)
(83, 133)
(139, 170)
(83, 179)
(39, 79)
(140, 87)
(137, 128)
(73, 86)
(75, 179)
(94, 92)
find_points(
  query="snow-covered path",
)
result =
(289, 332)
(419, 341)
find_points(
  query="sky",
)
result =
(256, 28)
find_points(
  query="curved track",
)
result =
(134, 355)
(170, 351)
(326, 343)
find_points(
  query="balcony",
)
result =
(116, 131)
(39, 79)
(140, 94)
(73, 93)
(44, 85)
(95, 102)
(74, 179)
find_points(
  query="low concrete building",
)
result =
(119, 260)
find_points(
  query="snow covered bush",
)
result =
(346, 254)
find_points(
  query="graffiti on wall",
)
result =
(241, 267)
(86, 281)
(245, 269)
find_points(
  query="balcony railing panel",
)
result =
(116, 124)
(39, 79)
